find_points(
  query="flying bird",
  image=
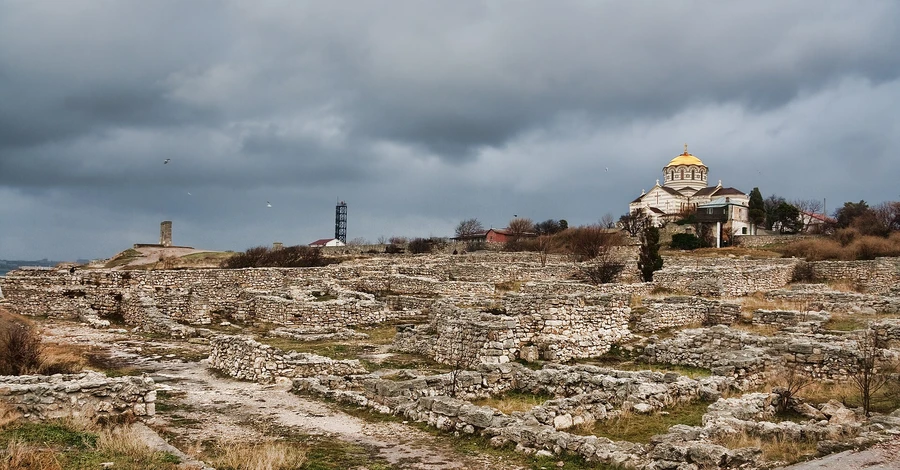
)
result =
(607, 168)
(268, 204)
(189, 193)
(166, 161)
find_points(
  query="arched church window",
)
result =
(692, 174)
(682, 173)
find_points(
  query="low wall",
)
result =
(759, 241)
(722, 277)
(584, 395)
(748, 357)
(554, 327)
(90, 394)
(877, 276)
(243, 358)
(822, 297)
(671, 312)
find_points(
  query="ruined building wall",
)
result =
(670, 312)
(89, 394)
(243, 358)
(718, 277)
(558, 328)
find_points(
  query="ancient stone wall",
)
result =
(584, 395)
(554, 327)
(670, 312)
(822, 297)
(243, 358)
(878, 276)
(760, 241)
(722, 277)
(748, 357)
(89, 394)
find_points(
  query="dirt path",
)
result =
(208, 407)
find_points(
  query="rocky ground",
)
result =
(201, 406)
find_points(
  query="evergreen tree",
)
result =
(757, 207)
(649, 260)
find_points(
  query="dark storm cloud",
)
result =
(423, 113)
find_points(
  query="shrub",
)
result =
(288, 257)
(870, 247)
(845, 236)
(603, 272)
(420, 245)
(475, 245)
(815, 250)
(685, 241)
(803, 272)
(861, 247)
(20, 349)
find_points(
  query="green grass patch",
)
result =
(613, 362)
(69, 447)
(844, 323)
(476, 445)
(48, 434)
(634, 427)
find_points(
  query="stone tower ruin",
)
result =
(165, 233)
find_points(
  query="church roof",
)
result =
(685, 159)
(719, 191)
(671, 191)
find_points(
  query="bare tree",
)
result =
(358, 241)
(607, 221)
(591, 248)
(468, 227)
(888, 215)
(462, 350)
(791, 382)
(634, 222)
(520, 226)
(871, 372)
(544, 242)
(807, 207)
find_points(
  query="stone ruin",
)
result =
(484, 314)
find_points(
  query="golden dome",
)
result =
(685, 159)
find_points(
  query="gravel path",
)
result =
(211, 407)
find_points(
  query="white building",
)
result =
(326, 242)
(685, 189)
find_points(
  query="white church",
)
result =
(685, 189)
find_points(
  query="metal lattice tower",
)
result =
(340, 221)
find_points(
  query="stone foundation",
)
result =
(89, 394)
(243, 358)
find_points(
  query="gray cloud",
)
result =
(422, 113)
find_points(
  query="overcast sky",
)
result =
(420, 114)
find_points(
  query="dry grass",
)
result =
(845, 246)
(270, 455)
(514, 401)
(8, 414)
(76, 443)
(22, 456)
(733, 251)
(758, 301)
(508, 286)
(634, 427)
(61, 359)
(773, 449)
